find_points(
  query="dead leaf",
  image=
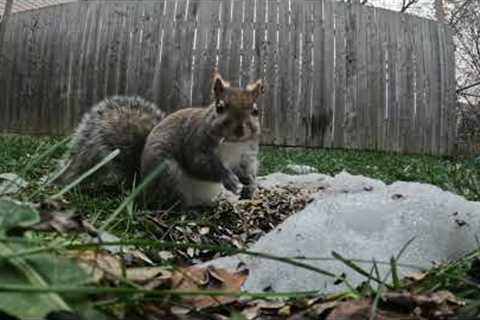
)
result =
(166, 255)
(271, 305)
(251, 313)
(416, 276)
(143, 275)
(437, 305)
(63, 222)
(352, 310)
(99, 263)
(320, 308)
(180, 311)
(210, 278)
(361, 310)
(129, 253)
(285, 311)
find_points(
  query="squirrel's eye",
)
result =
(254, 112)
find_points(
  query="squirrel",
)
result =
(118, 122)
(202, 149)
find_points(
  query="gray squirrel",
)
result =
(201, 149)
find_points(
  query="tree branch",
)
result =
(470, 86)
(407, 4)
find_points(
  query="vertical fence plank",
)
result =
(307, 74)
(271, 100)
(410, 141)
(443, 89)
(160, 20)
(324, 119)
(185, 68)
(146, 49)
(405, 87)
(11, 57)
(163, 79)
(180, 67)
(393, 130)
(259, 51)
(375, 82)
(65, 90)
(298, 77)
(235, 21)
(361, 77)
(248, 43)
(419, 87)
(450, 91)
(225, 38)
(340, 76)
(373, 71)
(282, 116)
(208, 22)
(434, 87)
(351, 108)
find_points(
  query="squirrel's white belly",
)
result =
(198, 192)
(231, 152)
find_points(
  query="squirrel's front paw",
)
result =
(247, 192)
(231, 183)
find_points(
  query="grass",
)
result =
(16, 151)
(384, 166)
(463, 177)
(458, 176)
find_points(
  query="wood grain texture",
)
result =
(336, 74)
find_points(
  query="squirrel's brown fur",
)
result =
(117, 122)
(199, 149)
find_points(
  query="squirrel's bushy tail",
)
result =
(117, 122)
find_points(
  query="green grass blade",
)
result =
(394, 271)
(86, 174)
(47, 153)
(404, 248)
(145, 182)
(373, 310)
(34, 162)
(375, 268)
(349, 263)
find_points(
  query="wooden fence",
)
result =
(337, 75)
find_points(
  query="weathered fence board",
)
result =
(337, 75)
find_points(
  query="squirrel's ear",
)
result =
(219, 84)
(257, 88)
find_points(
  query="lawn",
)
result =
(32, 158)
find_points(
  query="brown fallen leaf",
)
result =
(437, 305)
(416, 276)
(285, 311)
(63, 222)
(320, 309)
(99, 263)
(210, 278)
(251, 313)
(142, 275)
(361, 310)
(105, 265)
